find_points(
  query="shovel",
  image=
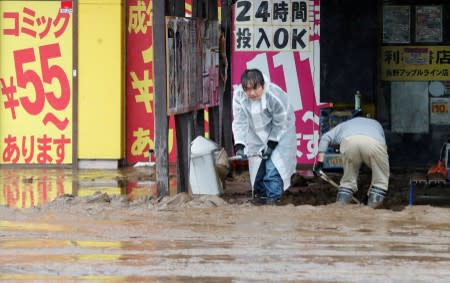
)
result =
(245, 157)
(327, 179)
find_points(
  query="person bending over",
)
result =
(361, 140)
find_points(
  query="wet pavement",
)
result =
(109, 225)
(25, 188)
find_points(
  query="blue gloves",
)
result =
(265, 154)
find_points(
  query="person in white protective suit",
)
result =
(264, 130)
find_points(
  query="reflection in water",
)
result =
(108, 278)
(26, 188)
(16, 226)
(54, 243)
(106, 258)
(231, 244)
(36, 187)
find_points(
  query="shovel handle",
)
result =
(247, 156)
(326, 178)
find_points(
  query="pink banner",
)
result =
(286, 48)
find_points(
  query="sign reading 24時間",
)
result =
(35, 82)
(281, 38)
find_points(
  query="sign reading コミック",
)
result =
(35, 83)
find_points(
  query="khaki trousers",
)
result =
(359, 149)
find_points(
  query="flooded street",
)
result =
(137, 237)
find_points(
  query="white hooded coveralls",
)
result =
(271, 117)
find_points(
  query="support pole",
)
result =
(411, 192)
(161, 118)
(184, 127)
(226, 103)
(184, 124)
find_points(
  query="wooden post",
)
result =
(226, 103)
(199, 119)
(206, 9)
(184, 125)
(161, 119)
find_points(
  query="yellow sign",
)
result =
(333, 161)
(439, 108)
(439, 114)
(415, 63)
(35, 82)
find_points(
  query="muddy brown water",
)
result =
(112, 237)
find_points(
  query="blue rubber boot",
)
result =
(376, 197)
(344, 195)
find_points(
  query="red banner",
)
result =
(140, 94)
(140, 119)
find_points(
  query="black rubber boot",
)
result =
(344, 195)
(376, 197)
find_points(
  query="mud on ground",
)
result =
(183, 238)
(309, 190)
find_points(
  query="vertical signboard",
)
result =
(210, 62)
(281, 38)
(140, 117)
(192, 64)
(36, 82)
(184, 65)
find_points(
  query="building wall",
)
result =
(101, 79)
(351, 40)
(348, 50)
